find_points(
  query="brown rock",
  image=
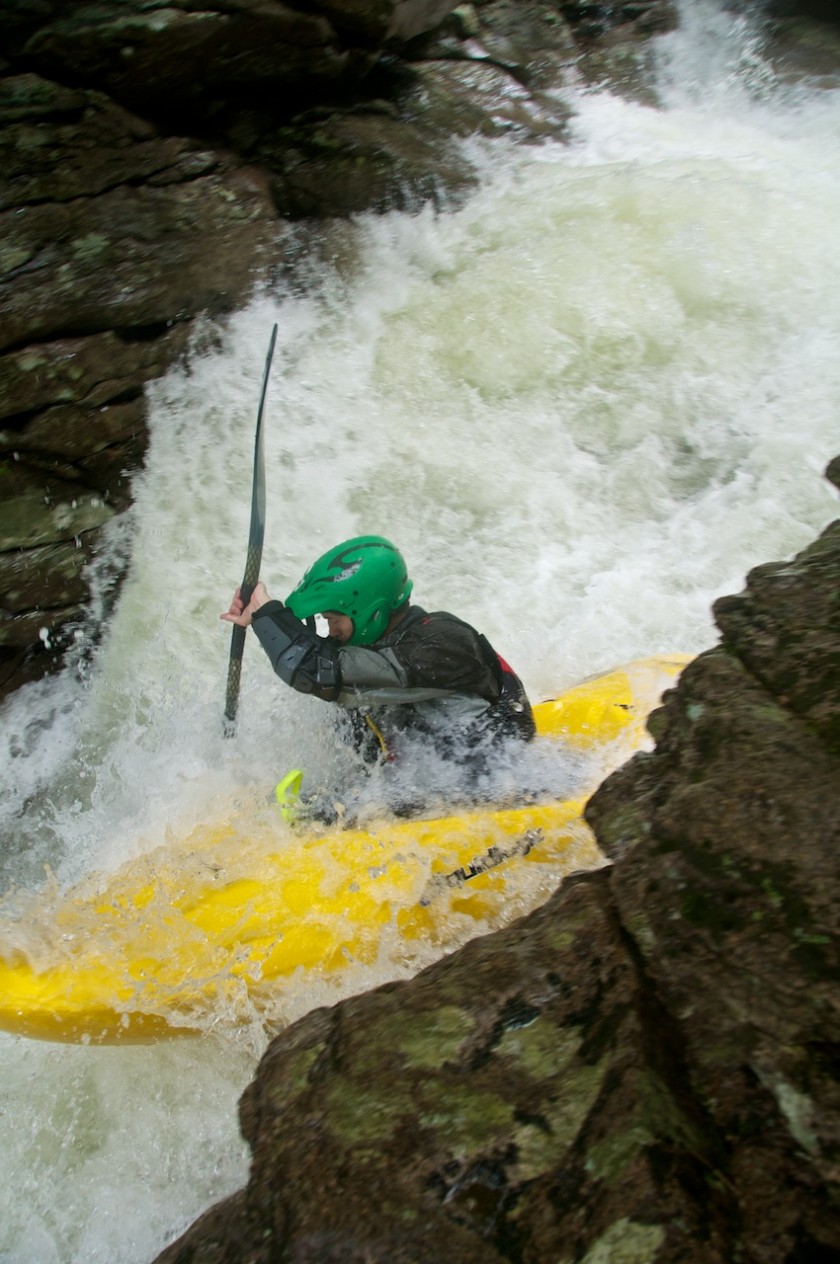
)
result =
(40, 511)
(39, 580)
(447, 1119)
(819, 10)
(386, 21)
(92, 371)
(132, 256)
(115, 237)
(171, 54)
(800, 48)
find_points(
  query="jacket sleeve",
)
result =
(304, 660)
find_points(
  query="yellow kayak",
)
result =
(230, 925)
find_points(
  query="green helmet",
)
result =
(364, 578)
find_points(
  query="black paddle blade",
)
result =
(254, 555)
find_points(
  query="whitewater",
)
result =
(584, 403)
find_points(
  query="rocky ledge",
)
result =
(646, 1069)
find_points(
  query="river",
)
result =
(584, 403)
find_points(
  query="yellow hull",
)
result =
(215, 928)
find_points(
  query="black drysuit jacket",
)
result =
(432, 674)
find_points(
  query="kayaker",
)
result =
(397, 671)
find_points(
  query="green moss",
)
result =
(90, 247)
(12, 257)
(541, 1145)
(775, 897)
(626, 1242)
(642, 931)
(563, 934)
(397, 1211)
(803, 937)
(656, 1115)
(30, 362)
(433, 1038)
(542, 1049)
(324, 143)
(608, 1159)
(560, 939)
(467, 1122)
(621, 828)
(296, 1078)
(366, 1116)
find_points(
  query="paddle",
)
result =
(254, 556)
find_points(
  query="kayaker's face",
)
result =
(340, 626)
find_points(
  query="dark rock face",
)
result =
(152, 159)
(820, 10)
(799, 47)
(112, 239)
(645, 1069)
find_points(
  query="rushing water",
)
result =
(585, 404)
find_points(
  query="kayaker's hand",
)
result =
(241, 614)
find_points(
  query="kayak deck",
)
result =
(212, 929)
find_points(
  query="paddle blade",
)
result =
(254, 555)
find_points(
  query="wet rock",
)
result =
(186, 58)
(88, 371)
(819, 10)
(72, 429)
(50, 527)
(727, 841)
(132, 257)
(645, 1069)
(36, 512)
(114, 238)
(799, 48)
(378, 155)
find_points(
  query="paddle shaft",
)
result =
(254, 555)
